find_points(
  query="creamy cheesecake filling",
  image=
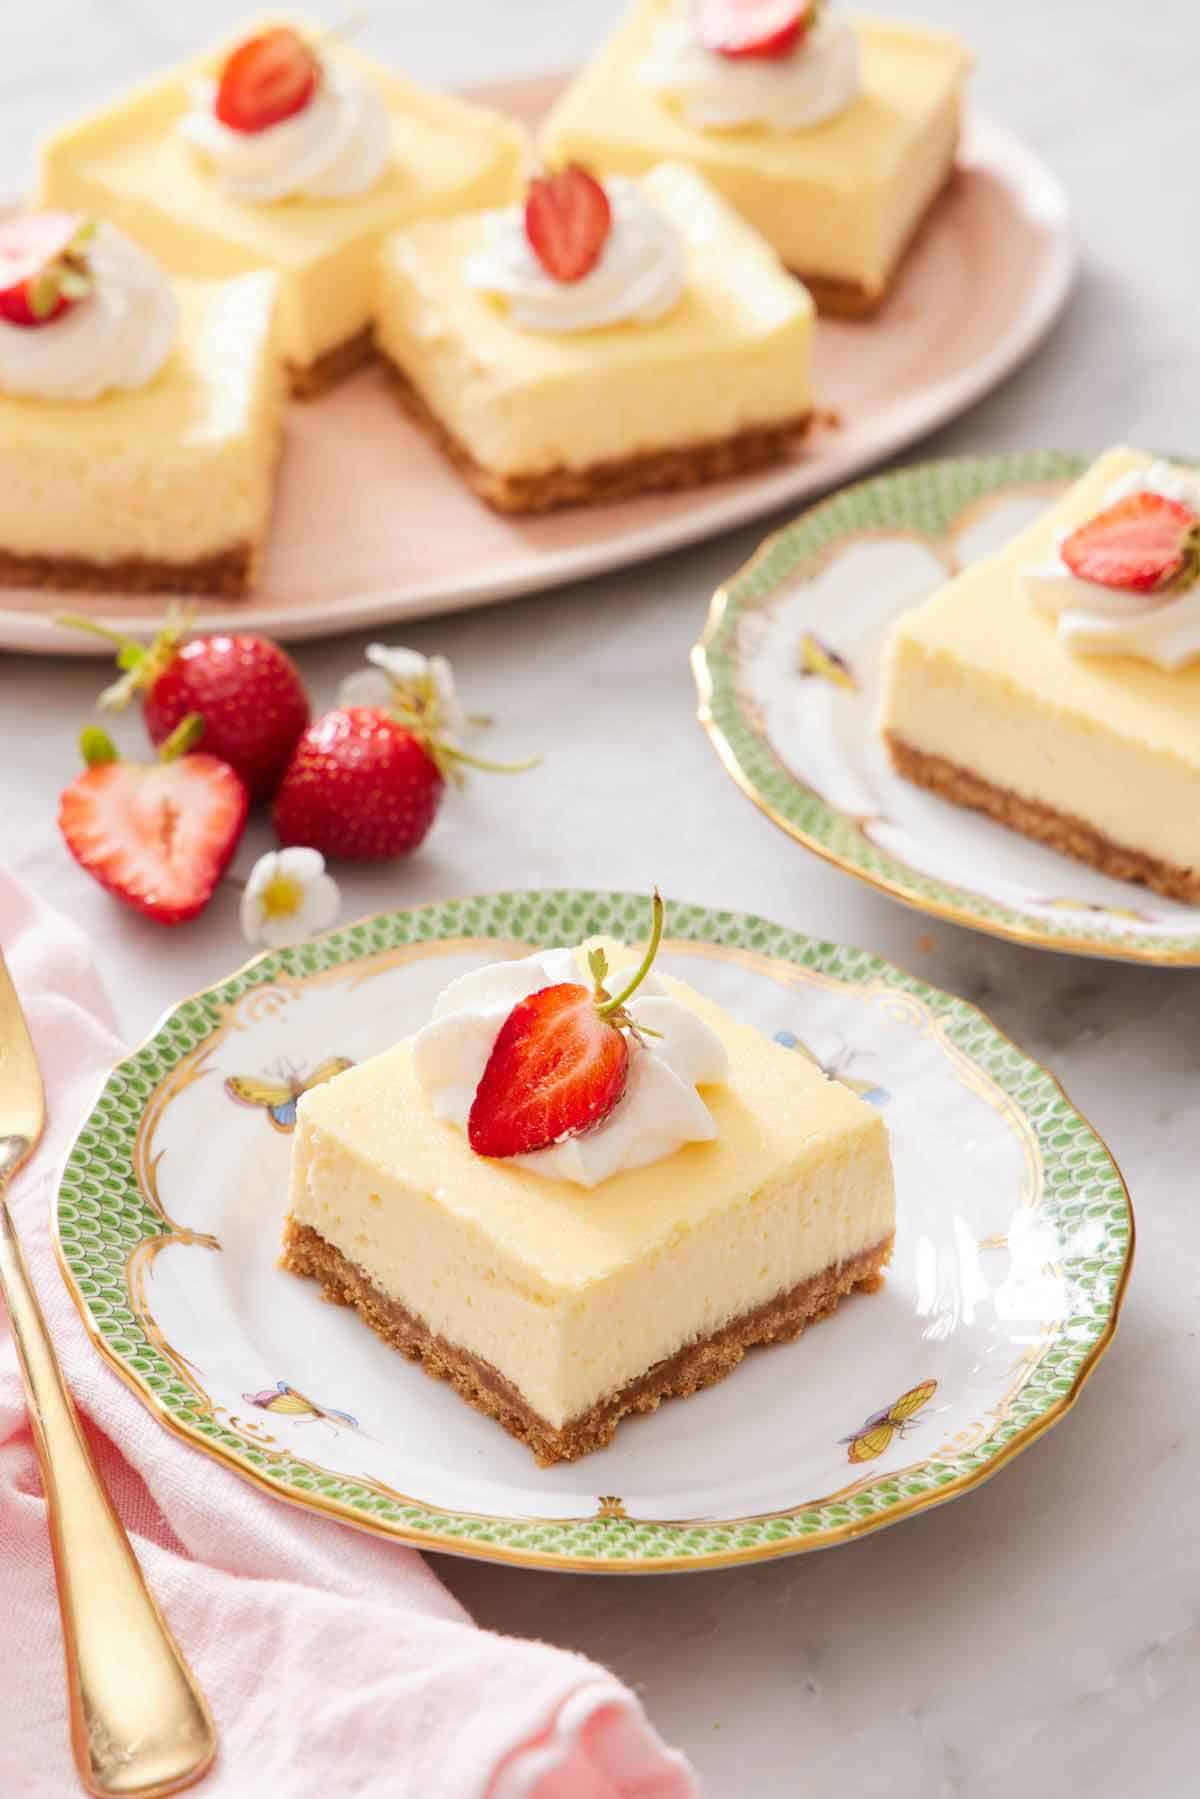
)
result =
(566, 1350)
(1137, 797)
(732, 354)
(173, 473)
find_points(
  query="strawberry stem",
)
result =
(452, 753)
(615, 1005)
(76, 621)
(184, 737)
(96, 746)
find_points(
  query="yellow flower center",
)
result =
(282, 897)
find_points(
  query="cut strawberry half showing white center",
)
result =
(567, 222)
(266, 80)
(1143, 543)
(751, 28)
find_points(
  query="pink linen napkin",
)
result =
(334, 1662)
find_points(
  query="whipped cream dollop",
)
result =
(638, 277)
(1162, 628)
(337, 146)
(813, 82)
(118, 335)
(660, 1109)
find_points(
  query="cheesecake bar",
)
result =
(1065, 708)
(840, 199)
(140, 431)
(555, 1307)
(536, 418)
(136, 163)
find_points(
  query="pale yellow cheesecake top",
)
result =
(128, 162)
(778, 1114)
(985, 621)
(733, 351)
(178, 469)
(836, 198)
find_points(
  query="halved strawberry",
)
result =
(43, 269)
(560, 1062)
(1144, 542)
(267, 79)
(567, 221)
(159, 835)
(748, 28)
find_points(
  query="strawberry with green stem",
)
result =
(159, 835)
(561, 1059)
(1144, 543)
(43, 266)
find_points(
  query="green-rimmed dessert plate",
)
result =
(1013, 1247)
(788, 673)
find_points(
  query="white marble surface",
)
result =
(1041, 1637)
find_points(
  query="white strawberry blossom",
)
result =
(288, 896)
(408, 677)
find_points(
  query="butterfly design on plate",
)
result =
(285, 1400)
(1128, 914)
(277, 1095)
(837, 1067)
(816, 658)
(896, 1420)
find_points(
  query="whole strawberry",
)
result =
(366, 780)
(247, 690)
(359, 785)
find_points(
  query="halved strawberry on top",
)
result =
(269, 78)
(567, 222)
(752, 28)
(1142, 543)
(43, 265)
(560, 1061)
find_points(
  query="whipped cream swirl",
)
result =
(657, 1114)
(819, 78)
(118, 335)
(638, 277)
(1162, 628)
(338, 146)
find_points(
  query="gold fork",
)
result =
(139, 1724)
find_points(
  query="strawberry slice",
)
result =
(567, 221)
(749, 28)
(42, 266)
(267, 79)
(560, 1061)
(557, 1068)
(1144, 542)
(159, 836)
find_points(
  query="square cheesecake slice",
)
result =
(988, 702)
(538, 419)
(557, 1309)
(841, 200)
(132, 163)
(166, 487)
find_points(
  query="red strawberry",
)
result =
(746, 28)
(567, 222)
(43, 269)
(247, 690)
(267, 79)
(158, 835)
(359, 785)
(1143, 542)
(559, 1063)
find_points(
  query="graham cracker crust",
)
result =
(229, 574)
(850, 299)
(1071, 836)
(308, 380)
(306, 1252)
(649, 471)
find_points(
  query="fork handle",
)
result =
(139, 1725)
